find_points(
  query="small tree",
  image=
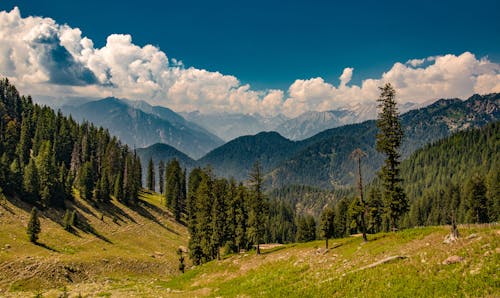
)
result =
(327, 224)
(66, 220)
(33, 226)
(182, 266)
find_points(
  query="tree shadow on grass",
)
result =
(46, 246)
(142, 207)
(83, 224)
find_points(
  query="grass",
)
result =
(138, 259)
(138, 246)
(306, 270)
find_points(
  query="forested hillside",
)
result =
(44, 155)
(459, 174)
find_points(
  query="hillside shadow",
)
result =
(83, 225)
(116, 213)
(142, 207)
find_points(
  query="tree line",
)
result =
(44, 156)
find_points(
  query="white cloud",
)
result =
(44, 58)
(346, 76)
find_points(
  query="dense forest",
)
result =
(46, 156)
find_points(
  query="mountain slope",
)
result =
(235, 158)
(111, 247)
(137, 128)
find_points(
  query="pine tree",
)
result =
(477, 201)
(182, 266)
(358, 154)
(118, 191)
(66, 220)
(33, 226)
(150, 180)
(327, 224)
(30, 182)
(240, 205)
(86, 183)
(389, 140)
(175, 188)
(161, 174)
(218, 215)
(257, 206)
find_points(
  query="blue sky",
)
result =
(270, 44)
(265, 57)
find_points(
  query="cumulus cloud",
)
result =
(47, 59)
(346, 76)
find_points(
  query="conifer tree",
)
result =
(66, 220)
(389, 140)
(161, 174)
(257, 206)
(477, 201)
(357, 155)
(327, 224)
(182, 266)
(33, 228)
(218, 216)
(30, 181)
(150, 178)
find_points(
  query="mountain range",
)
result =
(139, 124)
(323, 159)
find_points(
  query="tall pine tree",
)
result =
(389, 140)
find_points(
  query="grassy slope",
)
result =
(125, 267)
(306, 270)
(139, 245)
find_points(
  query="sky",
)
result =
(265, 57)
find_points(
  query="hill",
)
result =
(146, 125)
(166, 153)
(112, 247)
(437, 178)
(235, 158)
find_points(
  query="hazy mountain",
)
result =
(230, 125)
(323, 160)
(146, 125)
(311, 122)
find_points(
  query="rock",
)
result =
(7, 246)
(453, 260)
(471, 236)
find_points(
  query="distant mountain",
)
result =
(140, 125)
(311, 123)
(229, 126)
(166, 153)
(236, 158)
(323, 159)
(163, 152)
